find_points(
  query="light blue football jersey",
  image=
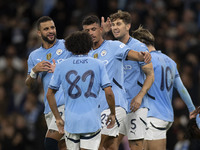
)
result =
(166, 77)
(81, 78)
(112, 53)
(57, 52)
(198, 121)
(134, 77)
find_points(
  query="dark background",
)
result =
(175, 24)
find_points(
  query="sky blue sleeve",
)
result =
(121, 50)
(30, 63)
(105, 82)
(55, 79)
(140, 47)
(183, 93)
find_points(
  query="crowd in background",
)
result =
(174, 23)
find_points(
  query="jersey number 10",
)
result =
(166, 78)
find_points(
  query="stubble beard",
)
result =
(45, 38)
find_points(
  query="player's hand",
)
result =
(106, 25)
(42, 66)
(110, 121)
(194, 113)
(135, 103)
(147, 57)
(53, 66)
(60, 124)
(198, 110)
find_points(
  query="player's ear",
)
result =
(39, 33)
(101, 28)
(128, 26)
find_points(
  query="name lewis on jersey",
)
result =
(80, 61)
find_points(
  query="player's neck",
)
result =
(151, 48)
(98, 44)
(124, 39)
(47, 45)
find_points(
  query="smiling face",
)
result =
(95, 31)
(47, 31)
(120, 29)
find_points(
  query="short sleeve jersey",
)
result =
(165, 71)
(57, 52)
(112, 53)
(134, 77)
(81, 78)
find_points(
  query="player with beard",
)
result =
(41, 62)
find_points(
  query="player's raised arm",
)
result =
(139, 56)
(40, 67)
(137, 100)
(184, 95)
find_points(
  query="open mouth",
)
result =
(51, 36)
(116, 32)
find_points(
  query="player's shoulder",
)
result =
(36, 51)
(159, 54)
(63, 63)
(169, 59)
(94, 60)
(115, 43)
(61, 41)
(137, 45)
(133, 41)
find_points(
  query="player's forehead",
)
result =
(46, 24)
(94, 25)
(118, 20)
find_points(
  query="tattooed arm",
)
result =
(137, 100)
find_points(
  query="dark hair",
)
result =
(192, 129)
(123, 15)
(42, 19)
(79, 42)
(144, 36)
(90, 20)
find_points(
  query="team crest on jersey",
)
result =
(59, 51)
(122, 45)
(49, 56)
(96, 55)
(103, 53)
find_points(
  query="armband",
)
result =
(33, 74)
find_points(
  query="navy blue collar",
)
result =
(100, 45)
(84, 55)
(130, 38)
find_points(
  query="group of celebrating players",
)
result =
(97, 91)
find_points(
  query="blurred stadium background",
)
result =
(175, 24)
